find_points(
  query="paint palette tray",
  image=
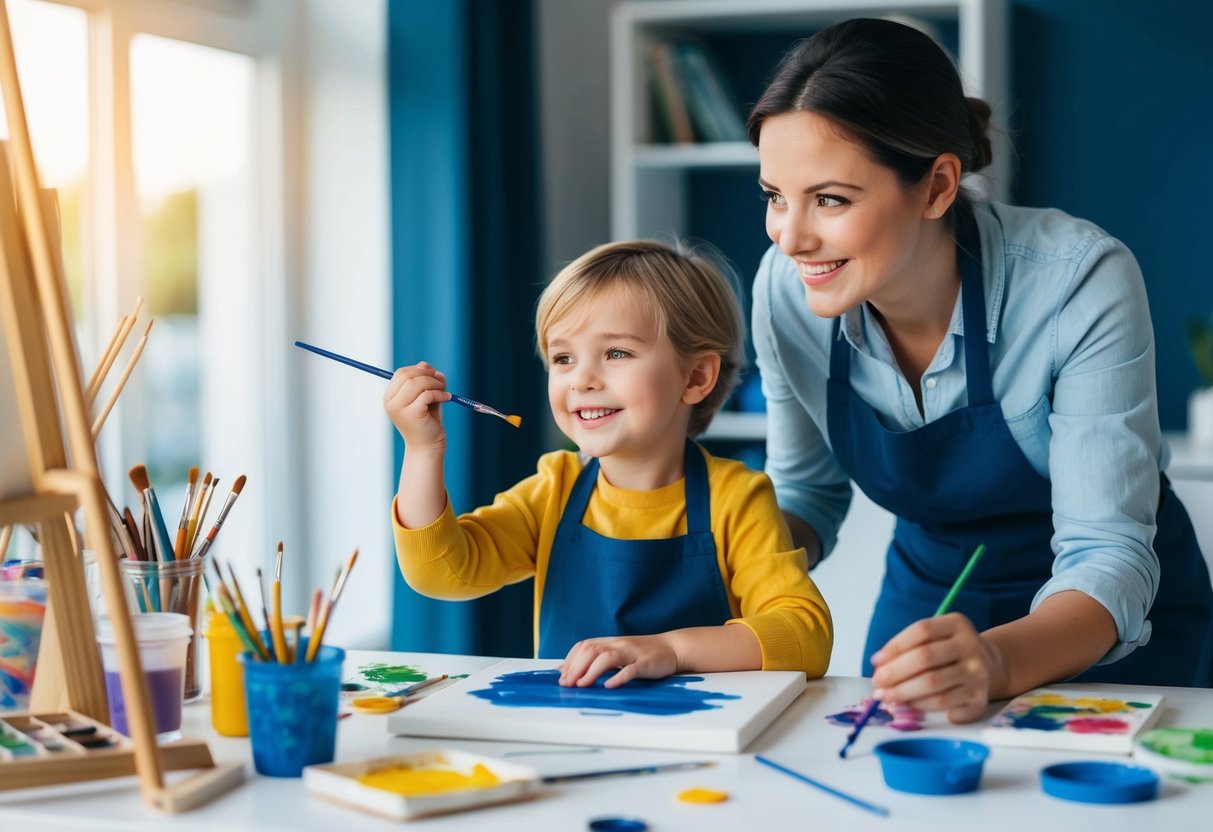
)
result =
(30, 737)
(42, 749)
(487, 781)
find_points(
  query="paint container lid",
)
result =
(149, 627)
(618, 825)
(1177, 752)
(1099, 782)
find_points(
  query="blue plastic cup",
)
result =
(931, 765)
(292, 711)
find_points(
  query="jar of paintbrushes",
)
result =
(165, 572)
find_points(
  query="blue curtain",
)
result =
(466, 226)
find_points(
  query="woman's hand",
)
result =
(411, 401)
(647, 657)
(938, 664)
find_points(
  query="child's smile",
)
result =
(616, 386)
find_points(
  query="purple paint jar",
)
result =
(163, 639)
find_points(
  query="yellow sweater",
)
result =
(509, 541)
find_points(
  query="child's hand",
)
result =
(648, 657)
(937, 664)
(412, 400)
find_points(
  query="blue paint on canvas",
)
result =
(656, 697)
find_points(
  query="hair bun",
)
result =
(979, 129)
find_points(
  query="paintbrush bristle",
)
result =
(138, 475)
(193, 474)
(238, 485)
(516, 421)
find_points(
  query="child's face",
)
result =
(615, 388)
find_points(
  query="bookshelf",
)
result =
(706, 190)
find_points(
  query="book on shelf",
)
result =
(669, 103)
(690, 98)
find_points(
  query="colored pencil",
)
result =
(626, 772)
(472, 404)
(944, 606)
(862, 804)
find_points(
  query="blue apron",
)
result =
(962, 480)
(601, 586)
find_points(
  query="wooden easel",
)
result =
(37, 329)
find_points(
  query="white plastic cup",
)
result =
(163, 638)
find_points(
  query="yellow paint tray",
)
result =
(338, 782)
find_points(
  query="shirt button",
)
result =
(931, 382)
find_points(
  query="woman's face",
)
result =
(856, 233)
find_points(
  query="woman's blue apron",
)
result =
(962, 480)
(601, 586)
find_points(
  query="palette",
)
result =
(520, 699)
(455, 780)
(47, 748)
(1074, 720)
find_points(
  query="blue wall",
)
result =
(1113, 121)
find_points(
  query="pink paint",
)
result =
(1097, 725)
(899, 717)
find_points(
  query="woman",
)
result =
(985, 372)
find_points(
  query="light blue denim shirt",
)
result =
(1072, 359)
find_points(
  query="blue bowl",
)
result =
(1099, 782)
(932, 765)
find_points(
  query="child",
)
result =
(651, 555)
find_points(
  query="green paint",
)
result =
(389, 674)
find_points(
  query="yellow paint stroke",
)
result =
(1099, 705)
(413, 781)
(703, 796)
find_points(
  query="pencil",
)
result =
(472, 404)
(944, 606)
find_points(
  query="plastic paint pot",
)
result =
(1099, 782)
(932, 765)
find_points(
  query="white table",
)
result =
(1009, 797)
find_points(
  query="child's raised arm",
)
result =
(412, 402)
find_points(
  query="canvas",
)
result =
(1074, 720)
(519, 699)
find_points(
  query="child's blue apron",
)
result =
(601, 586)
(962, 480)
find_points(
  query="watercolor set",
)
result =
(408, 786)
(1074, 720)
(520, 699)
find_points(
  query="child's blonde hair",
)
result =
(692, 301)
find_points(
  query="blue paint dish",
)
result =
(932, 765)
(671, 696)
(1099, 782)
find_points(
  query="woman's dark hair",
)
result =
(890, 87)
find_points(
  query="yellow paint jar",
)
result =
(228, 713)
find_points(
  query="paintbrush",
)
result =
(128, 520)
(139, 479)
(125, 324)
(850, 798)
(184, 523)
(627, 772)
(276, 631)
(191, 528)
(242, 610)
(944, 606)
(264, 610)
(237, 487)
(126, 374)
(472, 404)
(313, 644)
(395, 700)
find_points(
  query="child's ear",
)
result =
(702, 373)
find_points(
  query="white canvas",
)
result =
(728, 725)
(1074, 720)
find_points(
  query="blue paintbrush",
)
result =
(944, 606)
(516, 421)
